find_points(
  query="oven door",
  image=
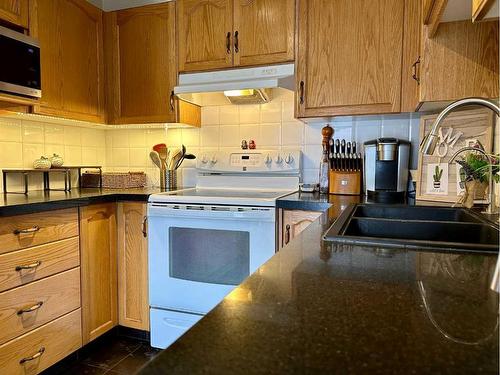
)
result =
(199, 253)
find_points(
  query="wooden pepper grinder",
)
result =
(324, 167)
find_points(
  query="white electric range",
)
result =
(205, 241)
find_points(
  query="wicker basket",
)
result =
(128, 180)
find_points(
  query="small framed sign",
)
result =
(437, 180)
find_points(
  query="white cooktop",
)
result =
(246, 178)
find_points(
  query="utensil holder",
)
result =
(168, 179)
(345, 182)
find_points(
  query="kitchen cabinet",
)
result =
(217, 34)
(133, 266)
(480, 8)
(98, 269)
(293, 222)
(15, 12)
(263, 32)
(70, 35)
(349, 58)
(460, 61)
(141, 67)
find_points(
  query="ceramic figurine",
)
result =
(42, 163)
(56, 161)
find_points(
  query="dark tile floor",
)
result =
(110, 354)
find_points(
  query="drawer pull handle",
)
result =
(33, 229)
(29, 266)
(35, 307)
(33, 357)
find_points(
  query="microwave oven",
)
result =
(20, 64)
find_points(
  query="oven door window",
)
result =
(209, 256)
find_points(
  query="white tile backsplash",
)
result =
(270, 125)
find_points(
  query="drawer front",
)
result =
(24, 266)
(22, 231)
(28, 307)
(41, 348)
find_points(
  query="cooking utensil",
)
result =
(174, 158)
(342, 146)
(155, 158)
(163, 153)
(181, 157)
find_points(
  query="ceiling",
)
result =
(110, 5)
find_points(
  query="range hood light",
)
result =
(246, 92)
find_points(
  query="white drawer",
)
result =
(168, 326)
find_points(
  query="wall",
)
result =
(23, 141)
(271, 125)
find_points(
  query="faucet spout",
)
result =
(430, 141)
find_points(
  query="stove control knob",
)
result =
(268, 160)
(214, 159)
(204, 159)
(289, 159)
(279, 159)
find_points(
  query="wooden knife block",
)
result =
(345, 182)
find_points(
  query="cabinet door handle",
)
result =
(301, 92)
(414, 68)
(145, 226)
(33, 229)
(287, 234)
(33, 357)
(35, 307)
(29, 266)
(236, 42)
(172, 101)
(228, 43)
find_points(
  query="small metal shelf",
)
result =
(65, 170)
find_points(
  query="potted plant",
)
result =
(474, 175)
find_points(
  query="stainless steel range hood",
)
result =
(237, 86)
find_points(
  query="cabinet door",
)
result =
(98, 267)
(15, 12)
(349, 57)
(141, 64)
(263, 31)
(132, 266)
(460, 61)
(205, 34)
(295, 221)
(70, 35)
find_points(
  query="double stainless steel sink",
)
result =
(422, 227)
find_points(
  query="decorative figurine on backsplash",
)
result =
(56, 161)
(244, 145)
(42, 163)
(252, 145)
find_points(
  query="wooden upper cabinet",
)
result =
(349, 57)
(98, 269)
(205, 34)
(141, 65)
(460, 61)
(15, 12)
(263, 31)
(70, 35)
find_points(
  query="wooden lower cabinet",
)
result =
(132, 266)
(39, 349)
(293, 222)
(99, 271)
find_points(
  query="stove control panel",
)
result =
(250, 161)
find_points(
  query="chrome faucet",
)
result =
(430, 141)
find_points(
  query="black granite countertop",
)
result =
(39, 200)
(317, 307)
